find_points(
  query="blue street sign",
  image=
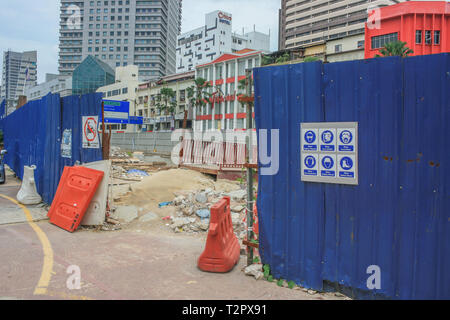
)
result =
(116, 111)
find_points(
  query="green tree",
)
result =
(396, 48)
(166, 100)
(198, 95)
(311, 59)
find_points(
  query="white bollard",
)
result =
(28, 193)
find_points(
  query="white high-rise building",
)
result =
(120, 33)
(216, 37)
(19, 72)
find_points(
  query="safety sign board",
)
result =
(66, 144)
(327, 139)
(310, 141)
(329, 152)
(90, 132)
(310, 164)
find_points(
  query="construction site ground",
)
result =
(141, 259)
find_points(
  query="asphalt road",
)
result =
(128, 264)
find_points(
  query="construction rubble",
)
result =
(193, 209)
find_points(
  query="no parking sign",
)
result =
(90, 132)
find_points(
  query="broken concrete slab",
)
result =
(126, 213)
(254, 270)
(237, 195)
(201, 197)
(237, 208)
(149, 217)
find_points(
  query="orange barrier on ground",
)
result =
(222, 249)
(76, 188)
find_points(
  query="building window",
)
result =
(360, 44)
(338, 48)
(437, 37)
(428, 37)
(418, 36)
(380, 41)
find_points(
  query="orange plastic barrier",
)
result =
(222, 249)
(76, 188)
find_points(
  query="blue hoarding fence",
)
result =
(48, 133)
(397, 219)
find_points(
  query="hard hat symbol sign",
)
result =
(90, 129)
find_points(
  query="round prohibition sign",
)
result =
(90, 131)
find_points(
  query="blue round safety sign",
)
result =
(327, 162)
(310, 136)
(310, 162)
(346, 137)
(327, 136)
(346, 163)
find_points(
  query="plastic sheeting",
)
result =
(398, 216)
(33, 136)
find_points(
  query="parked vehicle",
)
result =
(2, 167)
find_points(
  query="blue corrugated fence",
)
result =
(398, 217)
(33, 136)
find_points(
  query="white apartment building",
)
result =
(346, 48)
(19, 72)
(162, 120)
(306, 22)
(124, 89)
(215, 38)
(53, 84)
(224, 75)
(120, 33)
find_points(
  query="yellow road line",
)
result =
(47, 268)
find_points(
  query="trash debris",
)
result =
(204, 213)
(137, 173)
(164, 204)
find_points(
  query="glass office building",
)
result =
(90, 75)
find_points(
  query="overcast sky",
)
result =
(27, 25)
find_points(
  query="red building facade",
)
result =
(423, 25)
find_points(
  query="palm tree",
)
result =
(166, 100)
(396, 48)
(198, 94)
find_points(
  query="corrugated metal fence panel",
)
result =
(359, 221)
(33, 137)
(424, 215)
(292, 211)
(398, 216)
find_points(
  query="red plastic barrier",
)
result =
(222, 249)
(76, 188)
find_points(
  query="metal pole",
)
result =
(249, 170)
